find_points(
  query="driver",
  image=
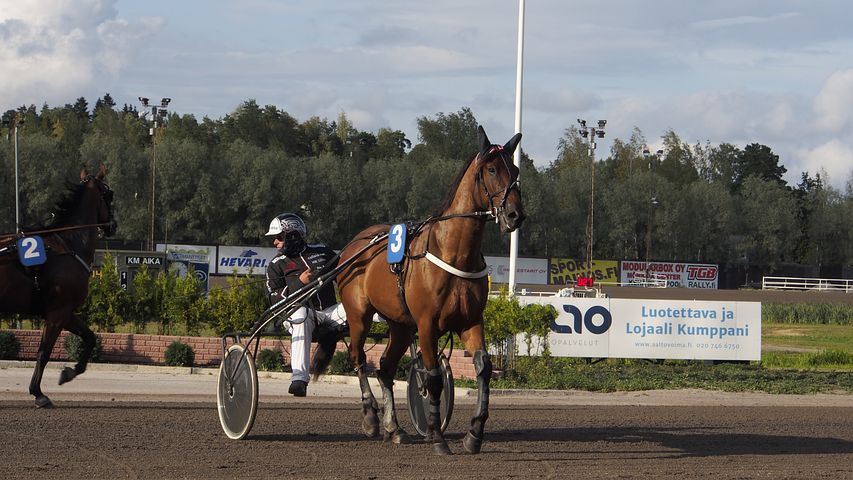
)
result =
(297, 264)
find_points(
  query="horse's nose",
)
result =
(514, 216)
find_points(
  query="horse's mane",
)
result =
(68, 204)
(451, 192)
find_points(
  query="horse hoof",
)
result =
(67, 375)
(472, 444)
(398, 437)
(441, 448)
(43, 402)
(370, 428)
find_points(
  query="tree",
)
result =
(769, 222)
(679, 163)
(758, 161)
(452, 136)
(391, 144)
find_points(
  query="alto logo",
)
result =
(596, 320)
(697, 272)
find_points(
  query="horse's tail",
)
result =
(327, 342)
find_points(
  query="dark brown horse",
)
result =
(57, 288)
(442, 288)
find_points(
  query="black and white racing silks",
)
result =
(283, 275)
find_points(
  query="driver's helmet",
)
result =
(287, 223)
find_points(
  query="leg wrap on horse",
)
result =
(473, 440)
(434, 386)
(369, 407)
(483, 368)
(392, 430)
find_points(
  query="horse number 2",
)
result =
(30, 248)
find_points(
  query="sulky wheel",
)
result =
(237, 392)
(417, 396)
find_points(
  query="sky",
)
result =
(775, 72)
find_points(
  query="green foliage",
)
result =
(270, 360)
(145, 305)
(807, 313)
(236, 308)
(708, 194)
(341, 364)
(824, 359)
(617, 375)
(9, 346)
(403, 368)
(108, 304)
(184, 303)
(74, 348)
(179, 354)
(504, 319)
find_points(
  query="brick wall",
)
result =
(150, 350)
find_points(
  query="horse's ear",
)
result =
(102, 172)
(83, 174)
(512, 143)
(483, 141)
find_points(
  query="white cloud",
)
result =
(743, 20)
(55, 50)
(834, 104)
(834, 157)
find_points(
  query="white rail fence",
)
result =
(818, 284)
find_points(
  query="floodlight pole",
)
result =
(156, 113)
(590, 133)
(519, 68)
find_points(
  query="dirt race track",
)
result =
(126, 439)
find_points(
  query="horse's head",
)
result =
(103, 198)
(498, 176)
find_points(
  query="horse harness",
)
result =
(413, 230)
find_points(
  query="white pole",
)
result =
(17, 193)
(513, 237)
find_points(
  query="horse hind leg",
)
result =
(399, 339)
(77, 327)
(369, 406)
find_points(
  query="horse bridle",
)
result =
(106, 196)
(513, 185)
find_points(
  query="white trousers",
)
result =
(301, 334)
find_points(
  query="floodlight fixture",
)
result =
(144, 101)
(602, 123)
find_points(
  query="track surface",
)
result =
(127, 439)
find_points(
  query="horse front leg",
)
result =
(429, 353)
(475, 344)
(369, 406)
(400, 336)
(77, 327)
(52, 328)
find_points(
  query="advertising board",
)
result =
(527, 270)
(653, 329)
(566, 271)
(244, 260)
(683, 275)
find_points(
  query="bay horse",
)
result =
(58, 288)
(441, 287)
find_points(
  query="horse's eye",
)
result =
(492, 171)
